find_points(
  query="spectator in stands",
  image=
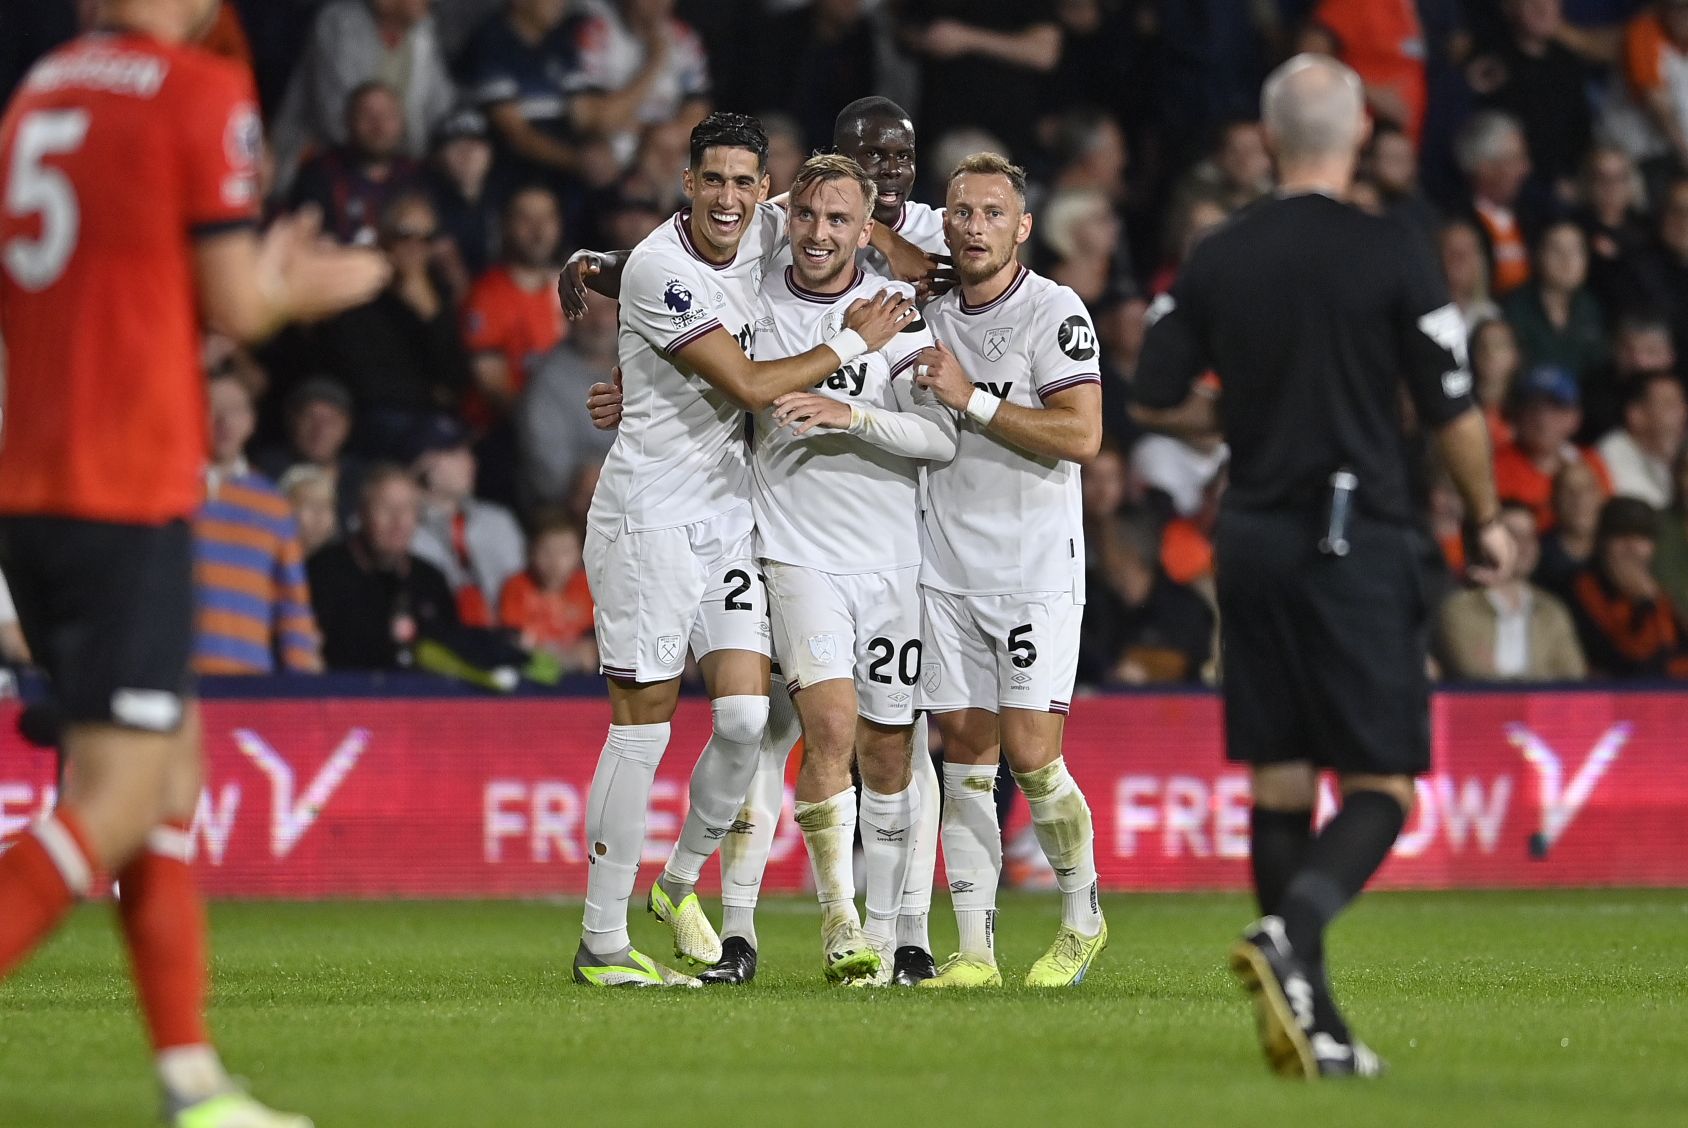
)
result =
(1141, 627)
(1610, 210)
(1102, 60)
(1578, 494)
(1492, 153)
(1548, 416)
(1176, 471)
(1105, 485)
(519, 68)
(249, 578)
(655, 177)
(1628, 626)
(638, 66)
(353, 41)
(1662, 266)
(1090, 153)
(1394, 169)
(1120, 325)
(1542, 83)
(549, 604)
(1198, 215)
(1641, 455)
(1080, 232)
(351, 183)
(400, 355)
(512, 314)
(1655, 57)
(1465, 268)
(817, 58)
(1384, 42)
(318, 423)
(372, 597)
(457, 177)
(1641, 344)
(1495, 364)
(1239, 169)
(981, 62)
(1557, 320)
(1670, 556)
(475, 544)
(787, 151)
(310, 490)
(554, 436)
(1512, 630)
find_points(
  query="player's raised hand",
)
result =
(939, 280)
(571, 283)
(880, 317)
(938, 369)
(804, 411)
(312, 277)
(603, 401)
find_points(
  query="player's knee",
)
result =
(740, 718)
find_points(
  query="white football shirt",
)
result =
(999, 520)
(829, 500)
(679, 454)
(919, 224)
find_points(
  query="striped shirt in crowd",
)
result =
(254, 607)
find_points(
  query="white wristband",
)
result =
(848, 345)
(982, 407)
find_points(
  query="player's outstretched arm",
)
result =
(910, 434)
(251, 286)
(1067, 426)
(596, 270)
(755, 384)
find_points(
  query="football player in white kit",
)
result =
(669, 546)
(877, 134)
(835, 476)
(1002, 573)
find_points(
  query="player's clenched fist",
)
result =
(571, 283)
(603, 401)
(938, 369)
(880, 317)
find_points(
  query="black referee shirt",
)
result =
(1312, 314)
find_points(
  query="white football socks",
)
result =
(615, 829)
(917, 887)
(745, 850)
(888, 823)
(719, 783)
(972, 854)
(1061, 821)
(829, 832)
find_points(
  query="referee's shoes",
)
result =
(1283, 999)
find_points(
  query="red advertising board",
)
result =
(456, 797)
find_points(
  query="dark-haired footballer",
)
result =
(669, 545)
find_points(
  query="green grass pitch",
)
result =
(1493, 1009)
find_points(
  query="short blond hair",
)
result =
(992, 164)
(824, 168)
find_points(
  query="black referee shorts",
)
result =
(108, 612)
(1323, 657)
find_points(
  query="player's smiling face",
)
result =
(884, 147)
(984, 224)
(828, 225)
(724, 188)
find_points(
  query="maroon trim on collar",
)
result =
(680, 218)
(814, 295)
(1019, 280)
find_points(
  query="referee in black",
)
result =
(1314, 315)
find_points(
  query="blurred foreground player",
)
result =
(1313, 314)
(127, 171)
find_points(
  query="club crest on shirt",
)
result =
(676, 297)
(931, 676)
(996, 342)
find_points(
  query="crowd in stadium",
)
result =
(411, 478)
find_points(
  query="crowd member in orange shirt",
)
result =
(1549, 413)
(128, 160)
(1384, 42)
(549, 603)
(1492, 154)
(511, 314)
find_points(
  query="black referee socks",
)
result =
(1278, 847)
(1340, 861)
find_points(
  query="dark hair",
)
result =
(362, 90)
(523, 189)
(379, 475)
(548, 521)
(1642, 383)
(721, 130)
(871, 108)
(1513, 505)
